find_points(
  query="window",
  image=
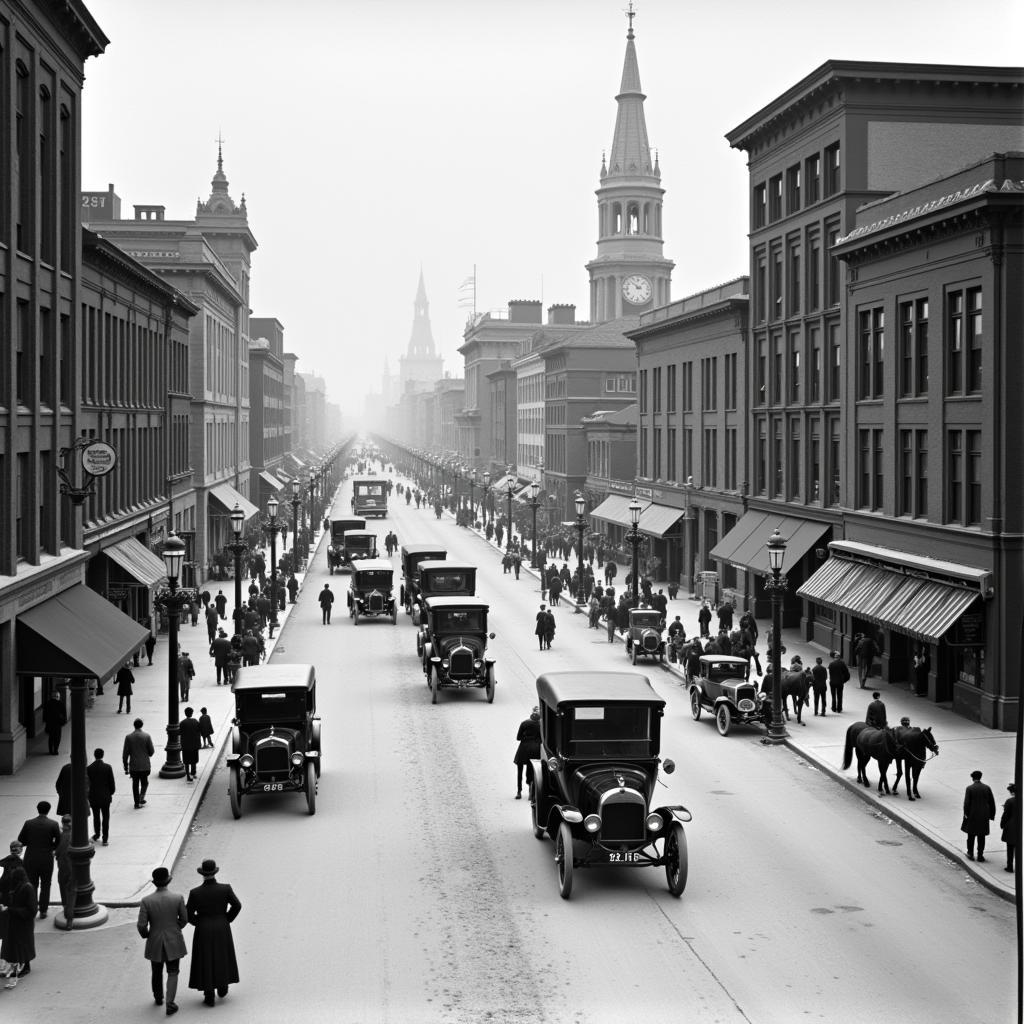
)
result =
(905, 506)
(23, 159)
(709, 458)
(761, 459)
(921, 475)
(793, 189)
(760, 289)
(673, 454)
(814, 372)
(709, 383)
(730, 458)
(730, 380)
(870, 353)
(778, 464)
(835, 470)
(656, 389)
(955, 479)
(814, 468)
(794, 461)
(793, 278)
(913, 355)
(687, 395)
(776, 369)
(670, 396)
(643, 391)
(643, 451)
(794, 367)
(833, 292)
(775, 198)
(972, 342)
(832, 170)
(813, 271)
(776, 283)
(687, 467)
(973, 495)
(657, 453)
(760, 371)
(877, 469)
(835, 357)
(759, 216)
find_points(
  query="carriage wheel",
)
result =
(563, 858)
(538, 830)
(490, 684)
(677, 859)
(723, 719)
(695, 707)
(235, 793)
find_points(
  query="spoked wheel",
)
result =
(235, 793)
(695, 707)
(563, 858)
(490, 684)
(632, 654)
(538, 829)
(723, 719)
(419, 645)
(355, 616)
(677, 859)
(310, 790)
(432, 683)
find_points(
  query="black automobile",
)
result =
(722, 685)
(412, 555)
(455, 657)
(439, 578)
(371, 591)
(643, 638)
(593, 784)
(337, 553)
(275, 735)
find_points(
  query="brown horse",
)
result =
(881, 744)
(917, 742)
(796, 684)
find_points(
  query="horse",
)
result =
(916, 743)
(881, 744)
(795, 684)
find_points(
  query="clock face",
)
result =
(636, 289)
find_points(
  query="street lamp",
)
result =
(238, 548)
(534, 491)
(486, 495)
(471, 476)
(581, 525)
(635, 508)
(776, 587)
(173, 602)
(272, 526)
(455, 489)
(510, 486)
(295, 525)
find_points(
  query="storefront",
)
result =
(125, 574)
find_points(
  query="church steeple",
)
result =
(421, 366)
(220, 201)
(421, 342)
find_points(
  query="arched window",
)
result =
(647, 218)
(616, 219)
(633, 219)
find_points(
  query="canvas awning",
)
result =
(920, 607)
(298, 462)
(615, 509)
(137, 560)
(656, 520)
(745, 544)
(271, 481)
(227, 496)
(75, 633)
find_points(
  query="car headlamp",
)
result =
(445, 663)
(297, 758)
(592, 822)
(654, 822)
(246, 761)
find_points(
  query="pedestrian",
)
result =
(124, 680)
(101, 792)
(211, 908)
(63, 788)
(250, 649)
(205, 727)
(979, 810)
(220, 651)
(186, 670)
(528, 738)
(64, 872)
(541, 627)
(191, 739)
(193, 612)
(875, 715)
(610, 572)
(150, 643)
(211, 622)
(1010, 824)
(819, 682)
(838, 677)
(39, 836)
(55, 717)
(162, 917)
(554, 590)
(704, 619)
(138, 749)
(7, 866)
(517, 564)
(673, 590)
(865, 652)
(221, 603)
(725, 616)
(293, 588)
(609, 622)
(19, 943)
(549, 628)
(922, 666)
(326, 600)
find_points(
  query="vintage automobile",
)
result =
(593, 785)
(275, 735)
(370, 498)
(359, 545)
(371, 590)
(455, 656)
(440, 578)
(723, 687)
(412, 555)
(337, 554)
(643, 638)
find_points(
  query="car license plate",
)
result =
(623, 858)
(273, 787)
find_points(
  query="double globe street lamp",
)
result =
(238, 548)
(272, 525)
(486, 495)
(510, 487)
(173, 601)
(776, 587)
(534, 504)
(581, 526)
(635, 508)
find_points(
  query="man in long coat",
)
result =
(39, 836)
(102, 787)
(161, 920)
(211, 908)
(979, 810)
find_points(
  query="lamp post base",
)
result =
(774, 739)
(172, 770)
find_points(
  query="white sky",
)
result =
(372, 138)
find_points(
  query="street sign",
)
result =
(98, 458)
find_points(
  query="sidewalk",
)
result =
(963, 746)
(145, 838)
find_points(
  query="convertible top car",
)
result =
(723, 686)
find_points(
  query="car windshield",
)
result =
(369, 490)
(360, 543)
(379, 578)
(726, 670)
(454, 620)
(445, 582)
(267, 706)
(618, 730)
(646, 619)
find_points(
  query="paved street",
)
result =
(418, 893)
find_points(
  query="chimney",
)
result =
(149, 212)
(525, 311)
(562, 313)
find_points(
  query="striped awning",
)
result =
(137, 560)
(271, 481)
(920, 607)
(228, 497)
(656, 520)
(615, 509)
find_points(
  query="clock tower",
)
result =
(630, 274)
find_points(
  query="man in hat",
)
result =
(838, 677)
(64, 872)
(220, 651)
(1009, 823)
(102, 787)
(161, 920)
(40, 836)
(979, 810)
(7, 866)
(211, 908)
(876, 715)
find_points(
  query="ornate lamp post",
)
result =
(295, 525)
(456, 474)
(238, 548)
(173, 601)
(581, 526)
(534, 503)
(510, 486)
(776, 587)
(471, 477)
(272, 527)
(485, 498)
(635, 508)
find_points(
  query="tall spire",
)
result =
(220, 200)
(421, 342)
(630, 155)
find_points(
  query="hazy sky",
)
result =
(374, 138)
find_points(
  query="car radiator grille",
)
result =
(622, 821)
(461, 664)
(376, 603)
(272, 758)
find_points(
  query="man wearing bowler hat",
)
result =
(979, 810)
(161, 919)
(211, 908)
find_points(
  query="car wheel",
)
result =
(539, 832)
(723, 719)
(677, 859)
(355, 616)
(432, 683)
(563, 858)
(401, 594)
(394, 615)
(490, 684)
(632, 654)
(695, 707)
(419, 645)
(330, 569)
(310, 790)
(235, 793)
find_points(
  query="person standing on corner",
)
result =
(838, 677)
(39, 836)
(162, 917)
(124, 680)
(704, 618)
(19, 941)
(188, 730)
(55, 717)
(211, 908)
(979, 810)
(101, 792)
(1010, 824)
(136, 754)
(528, 737)
(819, 681)
(876, 716)
(541, 627)
(64, 879)
(865, 652)
(326, 600)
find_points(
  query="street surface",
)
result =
(417, 892)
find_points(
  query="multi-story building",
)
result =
(449, 395)
(267, 434)
(849, 133)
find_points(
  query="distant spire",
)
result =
(630, 154)
(220, 201)
(421, 342)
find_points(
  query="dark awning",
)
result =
(615, 509)
(745, 544)
(137, 560)
(920, 607)
(271, 481)
(229, 498)
(656, 520)
(75, 633)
